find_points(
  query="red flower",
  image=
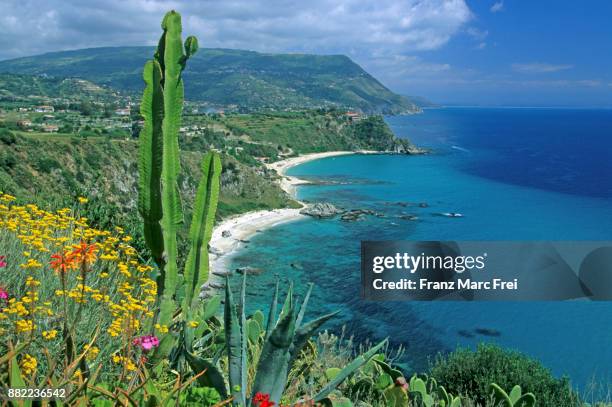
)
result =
(2, 261)
(262, 400)
(62, 263)
(85, 253)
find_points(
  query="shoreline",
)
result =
(238, 229)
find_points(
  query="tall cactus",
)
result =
(159, 197)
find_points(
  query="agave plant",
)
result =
(159, 200)
(284, 338)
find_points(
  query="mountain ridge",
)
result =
(228, 77)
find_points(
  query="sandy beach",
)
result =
(235, 231)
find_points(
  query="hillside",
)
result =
(53, 169)
(223, 77)
(16, 87)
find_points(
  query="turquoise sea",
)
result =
(516, 174)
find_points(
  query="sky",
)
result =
(456, 52)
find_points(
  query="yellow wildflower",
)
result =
(28, 364)
(24, 325)
(92, 352)
(49, 335)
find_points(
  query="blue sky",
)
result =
(468, 52)
(527, 53)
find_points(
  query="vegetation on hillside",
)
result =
(226, 78)
(15, 87)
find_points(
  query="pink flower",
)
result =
(3, 294)
(2, 262)
(146, 342)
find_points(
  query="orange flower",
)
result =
(86, 253)
(62, 263)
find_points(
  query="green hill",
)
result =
(223, 77)
(15, 87)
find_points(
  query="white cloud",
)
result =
(322, 26)
(497, 7)
(476, 33)
(537, 67)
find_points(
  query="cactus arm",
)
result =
(347, 371)
(205, 208)
(234, 337)
(273, 366)
(150, 161)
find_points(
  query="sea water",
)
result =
(515, 174)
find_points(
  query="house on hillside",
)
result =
(353, 116)
(44, 109)
(24, 124)
(123, 112)
(50, 128)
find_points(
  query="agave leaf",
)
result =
(212, 377)
(273, 366)
(234, 337)
(272, 312)
(243, 336)
(347, 371)
(300, 316)
(288, 305)
(205, 208)
(305, 332)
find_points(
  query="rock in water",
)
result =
(226, 233)
(249, 270)
(321, 210)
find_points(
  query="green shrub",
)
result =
(7, 137)
(7, 160)
(47, 164)
(470, 373)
